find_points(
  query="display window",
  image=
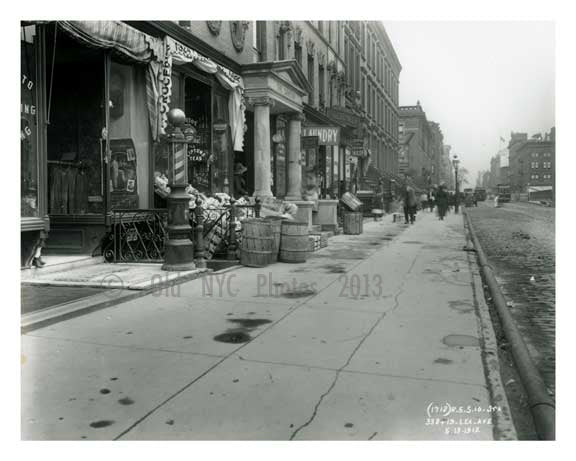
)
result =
(210, 166)
(75, 136)
(129, 136)
(28, 121)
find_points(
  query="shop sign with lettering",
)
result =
(327, 135)
(358, 147)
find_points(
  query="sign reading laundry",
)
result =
(327, 135)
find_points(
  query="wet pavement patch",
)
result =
(125, 401)
(461, 341)
(187, 337)
(104, 391)
(170, 422)
(250, 323)
(113, 379)
(233, 337)
(348, 425)
(334, 268)
(443, 361)
(299, 293)
(461, 306)
(412, 241)
(102, 423)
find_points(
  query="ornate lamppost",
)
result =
(455, 162)
(179, 254)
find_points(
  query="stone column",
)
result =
(262, 165)
(294, 189)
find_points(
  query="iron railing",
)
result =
(139, 236)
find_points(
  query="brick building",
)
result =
(532, 165)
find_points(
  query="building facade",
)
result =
(437, 152)
(297, 104)
(532, 165)
(417, 139)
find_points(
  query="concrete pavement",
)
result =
(382, 336)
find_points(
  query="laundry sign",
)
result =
(327, 135)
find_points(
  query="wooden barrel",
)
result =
(353, 223)
(257, 242)
(276, 222)
(294, 244)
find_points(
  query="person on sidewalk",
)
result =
(442, 201)
(410, 204)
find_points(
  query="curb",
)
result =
(504, 428)
(542, 407)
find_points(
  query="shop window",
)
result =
(129, 137)
(75, 145)
(534, 165)
(197, 105)
(28, 122)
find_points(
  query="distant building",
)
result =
(416, 140)
(437, 152)
(532, 165)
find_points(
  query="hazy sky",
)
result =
(479, 80)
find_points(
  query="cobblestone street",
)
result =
(518, 239)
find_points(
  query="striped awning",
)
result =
(116, 36)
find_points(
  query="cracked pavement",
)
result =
(371, 339)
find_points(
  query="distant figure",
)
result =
(431, 199)
(442, 201)
(410, 204)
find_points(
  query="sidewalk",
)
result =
(371, 339)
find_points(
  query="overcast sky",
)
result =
(479, 80)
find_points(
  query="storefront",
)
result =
(95, 95)
(321, 159)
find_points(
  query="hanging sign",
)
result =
(327, 135)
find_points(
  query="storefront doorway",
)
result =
(75, 145)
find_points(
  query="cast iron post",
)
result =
(179, 254)
(457, 188)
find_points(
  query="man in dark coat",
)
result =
(410, 203)
(442, 201)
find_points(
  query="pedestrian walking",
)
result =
(442, 201)
(431, 200)
(410, 204)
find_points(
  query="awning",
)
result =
(539, 188)
(117, 36)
